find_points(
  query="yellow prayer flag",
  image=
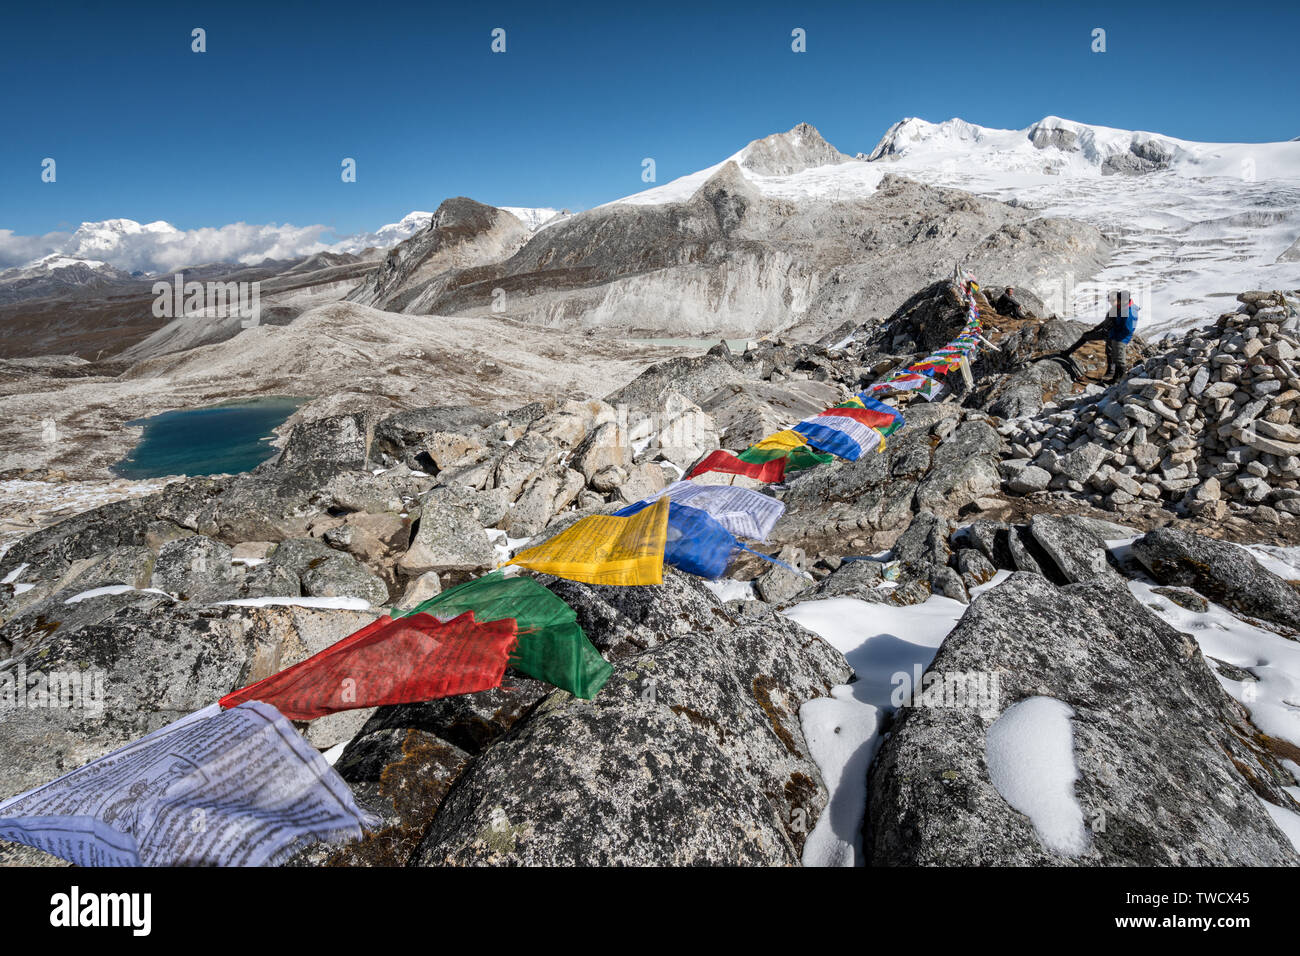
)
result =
(606, 549)
(787, 440)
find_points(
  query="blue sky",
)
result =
(254, 129)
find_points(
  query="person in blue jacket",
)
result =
(1118, 332)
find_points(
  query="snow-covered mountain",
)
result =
(1196, 222)
(56, 274)
(107, 249)
(55, 260)
(116, 249)
(114, 236)
(781, 165)
(713, 255)
(1056, 146)
(535, 217)
(461, 234)
(159, 247)
(385, 237)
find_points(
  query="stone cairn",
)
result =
(1211, 427)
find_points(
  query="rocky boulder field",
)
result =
(1083, 542)
(1209, 426)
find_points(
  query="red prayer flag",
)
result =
(866, 416)
(390, 661)
(724, 461)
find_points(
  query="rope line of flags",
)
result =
(235, 784)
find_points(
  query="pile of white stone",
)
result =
(1212, 426)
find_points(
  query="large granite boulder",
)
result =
(1223, 572)
(196, 568)
(403, 761)
(421, 437)
(964, 468)
(1169, 770)
(447, 537)
(129, 663)
(341, 442)
(623, 621)
(692, 754)
(1078, 553)
(325, 572)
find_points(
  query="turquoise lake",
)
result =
(217, 440)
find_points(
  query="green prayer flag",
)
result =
(805, 457)
(795, 459)
(552, 646)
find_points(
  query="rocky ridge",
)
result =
(727, 258)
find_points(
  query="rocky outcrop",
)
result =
(48, 554)
(1225, 573)
(702, 731)
(1142, 156)
(942, 461)
(1065, 549)
(127, 664)
(462, 234)
(777, 584)
(702, 705)
(929, 319)
(1169, 770)
(448, 537)
(1075, 552)
(1011, 386)
(782, 154)
(420, 437)
(195, 568)
(622, 622)
(336, 442)
(747, 411)
(403, 761)
(694, 378)
(326, 572)
(693, 752)
(858, 579)
(1144, 153)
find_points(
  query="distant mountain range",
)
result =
(100, 255)
(788, 232)
(1068, 148)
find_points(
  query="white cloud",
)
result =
(18, 250)
(160, 247)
